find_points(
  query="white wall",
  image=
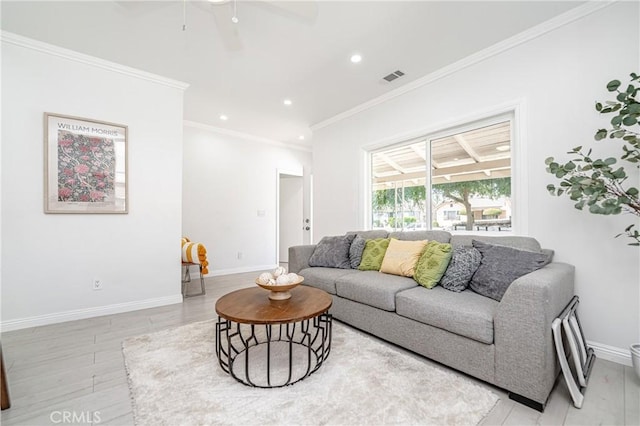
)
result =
(50, 260)
(558, 77)
(228, 179)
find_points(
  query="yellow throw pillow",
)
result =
(401, 257)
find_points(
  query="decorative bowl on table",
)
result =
(279, 283)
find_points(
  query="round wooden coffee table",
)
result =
(273, 343)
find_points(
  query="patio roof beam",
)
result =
(384, 157)
(468, 148)
(470, 168)
(454, 171)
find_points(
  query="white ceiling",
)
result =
(300, 56)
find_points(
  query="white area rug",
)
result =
(175, 379)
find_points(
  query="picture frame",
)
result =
(85, 165)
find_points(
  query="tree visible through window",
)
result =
(470, 175)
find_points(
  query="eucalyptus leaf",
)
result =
(617, 120)
(613, 85)
(595, 209)
(620, 173)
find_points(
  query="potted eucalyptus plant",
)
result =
(600, 184)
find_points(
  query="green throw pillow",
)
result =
(373, 254)
(432, 264)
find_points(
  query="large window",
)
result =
(466, 185)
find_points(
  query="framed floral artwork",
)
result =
(85, 165)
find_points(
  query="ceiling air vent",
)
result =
(393, 76)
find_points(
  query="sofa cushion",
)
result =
(467, 314)
(370, 235)
(332, 252)
(500, 266)
(439, 236)
(432, 263)
(323, 278)
(522, 243)
(401, 257)
(373, 288)
(355, 251)
(464, 263)
(373, 254)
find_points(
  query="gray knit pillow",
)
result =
(464, 262)
(332, 252)
(355, 251)
(500, 266)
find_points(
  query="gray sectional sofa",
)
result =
(507, 343)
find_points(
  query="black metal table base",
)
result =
(273, 356)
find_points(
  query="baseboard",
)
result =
(78, 314)
(241, 270)
(611, 353)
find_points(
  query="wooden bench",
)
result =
(485, 223)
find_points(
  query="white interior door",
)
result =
(291, 209)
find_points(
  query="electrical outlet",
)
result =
(97, 285)
(239, 255)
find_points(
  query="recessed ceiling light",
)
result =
(219, 1)
(503, 148)
(223, 117)
(287, 102)
(355, 58)
(455, 159)
(301, 137)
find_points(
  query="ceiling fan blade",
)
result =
(304, 10)
(140, 7)
(229, 32)
(222, 14)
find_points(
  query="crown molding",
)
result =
(18, 40)
(245, 136)
(523, 37)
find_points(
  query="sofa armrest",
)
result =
(299, 257)
(526, 362)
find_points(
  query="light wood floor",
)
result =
(77, 367)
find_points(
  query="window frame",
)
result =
(514, 112)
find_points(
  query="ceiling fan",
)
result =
(226, 16)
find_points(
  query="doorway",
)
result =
(290, 214)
